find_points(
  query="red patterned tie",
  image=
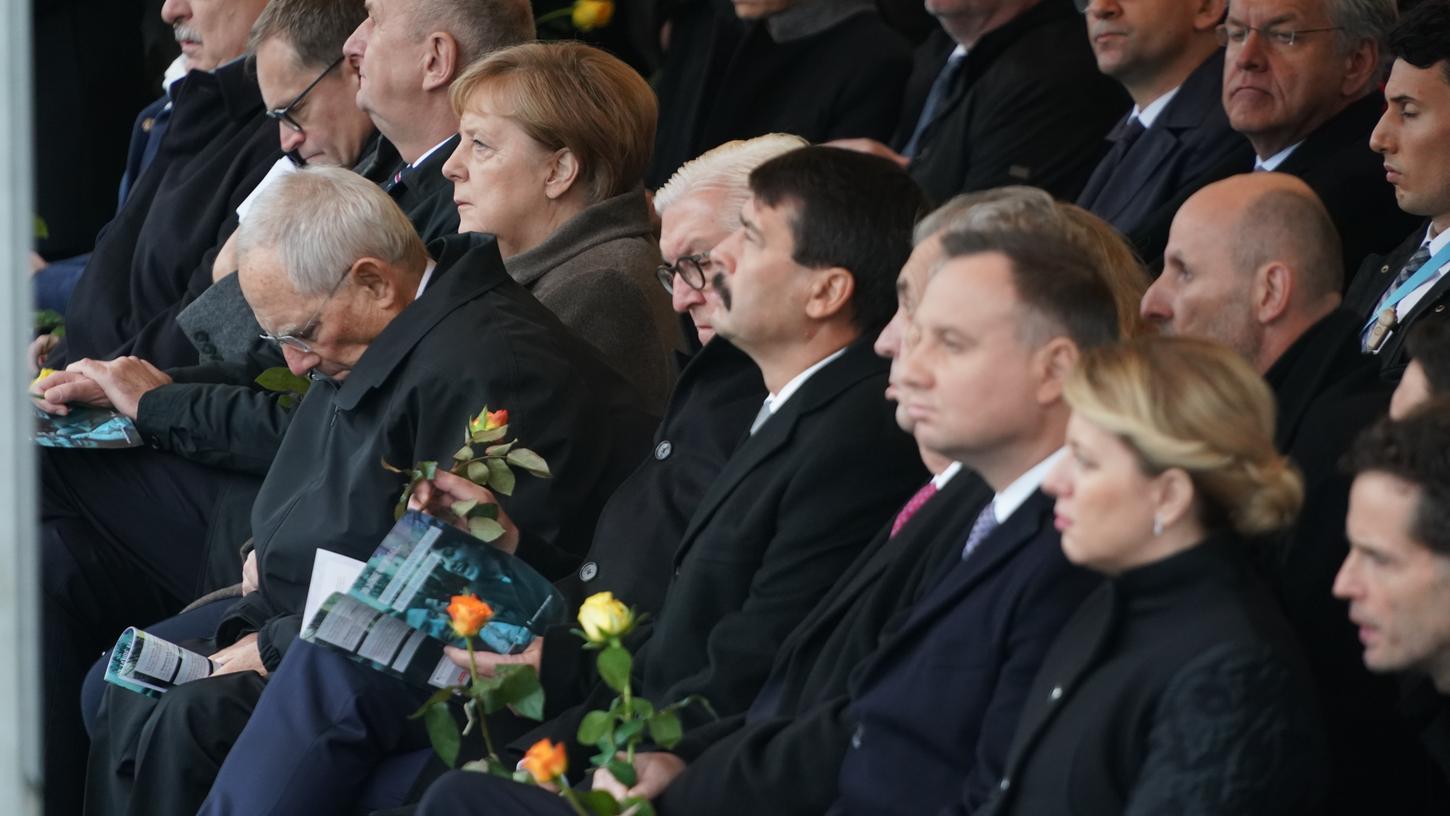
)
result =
(918, 500)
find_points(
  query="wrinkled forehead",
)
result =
(693, 225)
(1278, 12)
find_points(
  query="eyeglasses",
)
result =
(284, 114)
(691, 269)
(299, 339)
(1237, 33)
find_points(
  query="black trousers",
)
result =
(463, 793)
(122, 543)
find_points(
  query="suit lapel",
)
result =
(1141, 165)
(857, 363)
(1392, 346)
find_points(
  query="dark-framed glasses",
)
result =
(692, 269)
(301, 338)
(284, 113)
(1237, 33)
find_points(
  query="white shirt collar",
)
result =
(1272, 163)
(774, 401)
(1149, 114)
(1005, 503)
(1437, 242)
(427, 276)
(174, 73)
(941, 479)
(431, 151)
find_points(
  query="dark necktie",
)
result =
(940, 87)
(1124, 139)
(914, 504)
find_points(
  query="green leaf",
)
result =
(500, 478)
(286, 402)
(443, 733)
(487, 510)
(48, 320)
(42, 231)
(429, 469)
(664, 729)
(439, 696)
(624, 733)
(499, 450)
(478, 473)
(464, 454)
(595, 726)
(517, 682)
(598, 803)
(282, 381)
(643, 709)
(530, 461)
(614, 666)
(483, 437)
(531, 705)
(623, 771)
(485, 529)
(463, 508)
(642, 806)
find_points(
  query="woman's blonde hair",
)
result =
(566, 94)
(1197, 406)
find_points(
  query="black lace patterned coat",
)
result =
(1175, 689)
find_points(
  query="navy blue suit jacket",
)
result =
(937, 705)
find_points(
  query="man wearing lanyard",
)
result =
(1409, 283)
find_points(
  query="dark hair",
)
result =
(1428, 343)
(1417, 450)
(851, 210)
(1055, 285)
(1422, 36)
(316, 29)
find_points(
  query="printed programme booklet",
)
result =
(85, 428)
(390, 613)
(394, 617)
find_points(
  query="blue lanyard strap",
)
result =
(1424, 273)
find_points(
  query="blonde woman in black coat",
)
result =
(1176, 688)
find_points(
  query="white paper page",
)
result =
(283, 167)
(330, 573)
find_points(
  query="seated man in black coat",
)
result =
(1167, 57)
(395, 376)
(1408, 286)
(1396, 577)
(1299, 82)
(1252, 262)
(1006, 93)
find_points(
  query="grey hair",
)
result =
(727, 168)
(1013, 207)
(320, 220)
(480, 27)
(1361, 20)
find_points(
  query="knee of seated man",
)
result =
(216, 708)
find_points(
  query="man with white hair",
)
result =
(328, 263)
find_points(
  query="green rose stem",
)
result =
(482, 718)
(569, 797)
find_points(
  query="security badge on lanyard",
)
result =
(1388, 318)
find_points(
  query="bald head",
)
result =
(1252, 261)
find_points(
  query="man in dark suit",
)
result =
(399, 397)
(1167, 57)
(1396, 577)
(1408, 286)
(1006, 94)
(1252, 262)
(1299, 77)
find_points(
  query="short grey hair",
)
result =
(1361, 20)
(320, 220)
(480, 27)
(727, 167)
(1015, 207)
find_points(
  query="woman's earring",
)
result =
(1157, 526)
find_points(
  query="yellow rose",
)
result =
(468, 615)
(591, 14)
(603, 618)
(545, 761)
(44, 372)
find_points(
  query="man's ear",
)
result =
(440, 60)
(1273, 288)
(563, 172)
(1359, 65)
(384, 284)
(1208, 14)
(1053, 363)
(830, 293)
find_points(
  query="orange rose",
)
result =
(545, 761)
(468, 614)
(496, 419)
(591, 14)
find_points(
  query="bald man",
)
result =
(1254, 262)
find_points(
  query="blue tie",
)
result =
(934, 98)
(984, 526)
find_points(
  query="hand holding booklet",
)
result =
(393, 617)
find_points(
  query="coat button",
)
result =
(663, 449)
(1385, 270)
(588, 571)
(1440, 308)
(1004, 784)
(1055, 694)
(856, 737)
